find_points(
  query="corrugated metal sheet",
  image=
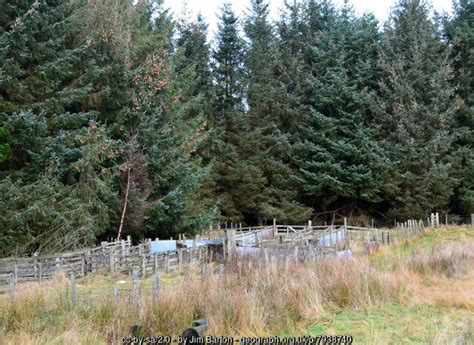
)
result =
(331, 239)
(170, 245)
(162, 246)
(250, 239)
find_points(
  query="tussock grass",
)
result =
(450, 259)
(254, 297)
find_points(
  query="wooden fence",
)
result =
(122, 257)
(112, 257)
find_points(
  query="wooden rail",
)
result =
(112, 258)
(121, 256)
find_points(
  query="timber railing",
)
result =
(109, 257)
(122, 257)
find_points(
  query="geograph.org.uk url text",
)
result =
(224, 340)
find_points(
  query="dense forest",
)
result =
(117, 119)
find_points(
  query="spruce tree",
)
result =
(57, 186)
(414, 114)
(265, 146)
(337, 152)
(290, 71)
(460, 35)
(193, 63)
(231, 173)
(161, 175)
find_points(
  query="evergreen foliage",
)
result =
(265, 144)
(460, 35)
(415, 113)
(337, 153)
(116, 119)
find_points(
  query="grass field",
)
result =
(417, 292)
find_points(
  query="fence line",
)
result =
(122, 257)
(107, 258)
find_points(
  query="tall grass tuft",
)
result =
(255, 297)
(449, 260)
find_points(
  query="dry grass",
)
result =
(249, 299)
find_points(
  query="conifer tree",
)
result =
(290, 70)
(231, 172)
(337, 152)
(162, 172)
(265, 146)
(61, 148)
(460, 34)
(414, 113)
(193, 62)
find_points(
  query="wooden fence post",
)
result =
(58, 264)
(13, 281)
(190, 253)
(116, 295)
(224, 245)
(135, 274)
(274, 227)
(180, 260)
(40, 273)
(167, 262)
(231, 244)
(35, 268)
(87, 261)
(156, 284)
(112, 259)
(73, 288)
(83, 264)
(15, 276)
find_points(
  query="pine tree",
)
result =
(414, 114)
